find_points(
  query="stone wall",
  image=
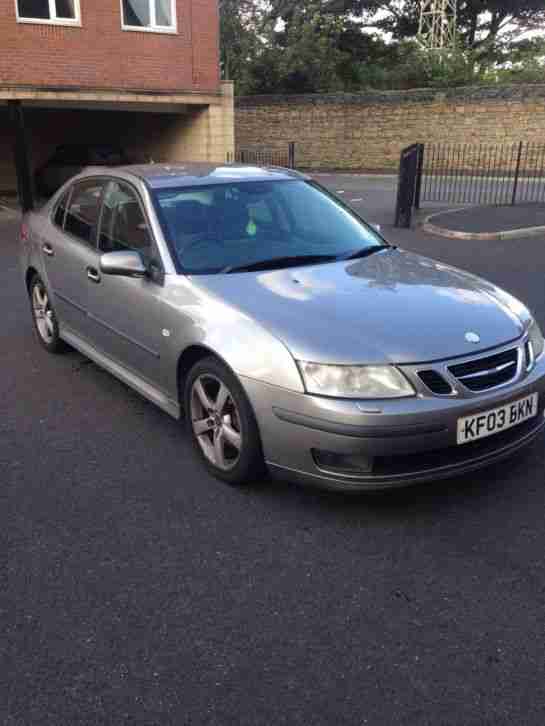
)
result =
(366, 132)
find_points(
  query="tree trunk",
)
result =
(472, 29)
(485, 46)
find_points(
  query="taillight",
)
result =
(24, 232)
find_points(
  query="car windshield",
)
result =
(265, 225)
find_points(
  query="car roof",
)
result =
(164, 176)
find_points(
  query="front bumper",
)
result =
(410, 440)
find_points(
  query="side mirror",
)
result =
(126, 264)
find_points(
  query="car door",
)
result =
(70, 252)
(125, 312)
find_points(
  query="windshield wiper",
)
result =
(366, 252)
(279, 262)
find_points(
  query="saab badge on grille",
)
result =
(472, 337)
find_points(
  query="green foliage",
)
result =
(481, 24)
(240, 21)
(303, 56)
(523, 62)
(313, 46)
(411, 67)
(311, 56)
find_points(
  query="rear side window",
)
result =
(60, 211)
(84, 211)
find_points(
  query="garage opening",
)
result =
(31, 134)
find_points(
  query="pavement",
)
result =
(135, 589)
(481, 223)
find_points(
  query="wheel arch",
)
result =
(29, 275)
(192, 355)
(187, 359)
(247, 350)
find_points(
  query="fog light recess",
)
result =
(347, 464)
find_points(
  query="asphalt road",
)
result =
(135, 589)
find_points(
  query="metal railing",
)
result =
(483, 174)
(260, 156)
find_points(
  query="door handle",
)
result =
(48, 249)
(93, 275)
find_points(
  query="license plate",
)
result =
(487, 423)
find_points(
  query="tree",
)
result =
(299, 50)
(311, 53)
(523, 61)
(239, 39)
(483, 25)
(312, 46)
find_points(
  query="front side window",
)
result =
(64, 12)
(123, 225)
(84, 211)
(60, 211)
(158, 15)
(228, 226)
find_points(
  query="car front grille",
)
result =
(482, 374)
(435, 382)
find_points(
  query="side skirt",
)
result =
(135, 382)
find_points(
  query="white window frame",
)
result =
(53, 19)
(152, 27)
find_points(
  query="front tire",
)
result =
(44, 318)
(222, 424)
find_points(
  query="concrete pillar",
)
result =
(203, 133)
(25, 185)
(228, 106)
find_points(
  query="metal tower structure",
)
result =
(437, 29)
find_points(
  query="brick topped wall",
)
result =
(367, 131)
(100, 55)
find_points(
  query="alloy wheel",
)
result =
(43, 313)
(216, 422)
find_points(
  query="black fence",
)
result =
(469, 174)
(265, 157)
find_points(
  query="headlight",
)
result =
(355, 381)
(536, 338)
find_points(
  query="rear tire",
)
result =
(44, 318)
(222, 424)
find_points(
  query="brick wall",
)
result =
(100, 55)
(367, 132)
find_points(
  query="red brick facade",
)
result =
(100, 55)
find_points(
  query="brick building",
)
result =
(142, 74)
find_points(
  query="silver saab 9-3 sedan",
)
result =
(288, 332)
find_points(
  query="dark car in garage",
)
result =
(69, 159)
